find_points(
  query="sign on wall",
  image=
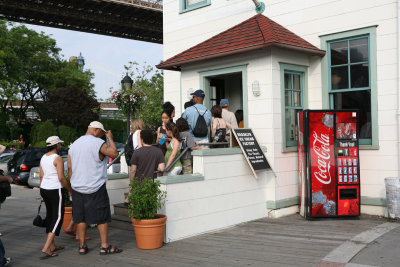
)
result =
(251, 149)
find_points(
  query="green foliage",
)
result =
(15, 131)
(145, 199)
(41, 131)
(4, 129)
(31, 67)
(41, 144)
(72, 107)
(8, 145)
(67, 201)
(117, 127)
(67, 134)
(150, 84)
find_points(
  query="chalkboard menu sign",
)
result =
(251, 149)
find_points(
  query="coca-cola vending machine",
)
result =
(329, 165)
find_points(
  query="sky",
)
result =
(105, 56)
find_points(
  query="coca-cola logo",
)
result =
(322, 149)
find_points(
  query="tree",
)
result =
(31, 67)
(72, 107)
(149, 106)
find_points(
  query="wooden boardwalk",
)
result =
(288, 241)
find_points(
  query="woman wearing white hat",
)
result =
(52, 180)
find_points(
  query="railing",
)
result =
(176, 159)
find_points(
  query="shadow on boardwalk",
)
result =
(288, 241)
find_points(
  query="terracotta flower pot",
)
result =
(149, 233)
(67, 218)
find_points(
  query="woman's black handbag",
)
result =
(5, 190)
(38, 221)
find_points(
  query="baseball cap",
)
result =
(53, 140)
(96, 124)
(199, 93)
(224, 102)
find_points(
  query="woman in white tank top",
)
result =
(52, 180)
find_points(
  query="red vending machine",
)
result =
(329, 165)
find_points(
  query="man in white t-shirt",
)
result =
(87, 169)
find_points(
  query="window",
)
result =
(293, 87)
(188, 5)
(351, 77)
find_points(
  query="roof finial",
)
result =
(260, 6)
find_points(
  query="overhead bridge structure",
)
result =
(132, 19)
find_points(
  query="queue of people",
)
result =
(87, 166)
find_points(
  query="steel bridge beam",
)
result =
(131, 19)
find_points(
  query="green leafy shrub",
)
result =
(145, 199)
(8, 145)
(41, 131)
(67, 134)
(4, 129)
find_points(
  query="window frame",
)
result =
(328, 93)
(295, 69)
(185, 7)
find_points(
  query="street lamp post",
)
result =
(126, 84)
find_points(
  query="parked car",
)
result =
(34, 174)
(22, 162)
(4, 159)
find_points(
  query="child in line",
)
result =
(173, 149)
(162, 132)
(187, 141)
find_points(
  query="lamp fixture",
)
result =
(260, 6)
(255, 86)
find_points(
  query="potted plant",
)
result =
(67, 209)
(145, 199)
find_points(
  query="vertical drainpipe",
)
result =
(398, 88)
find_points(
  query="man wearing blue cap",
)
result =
(192, 114)
(227, 115)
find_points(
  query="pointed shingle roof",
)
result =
(255, 33)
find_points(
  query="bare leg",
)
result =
(103, 231)
(49, 242)
(82, 234)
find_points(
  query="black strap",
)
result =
(199, 112)
(38, 211)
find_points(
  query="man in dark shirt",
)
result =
(147, 159)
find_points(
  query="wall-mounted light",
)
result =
(260, 6)
(255, 86)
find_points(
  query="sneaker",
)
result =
(8, 261)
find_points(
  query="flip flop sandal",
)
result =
(109, 250)
(85, 247)
(48, 256)
(57, 248)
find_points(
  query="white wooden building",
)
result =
(315, 54)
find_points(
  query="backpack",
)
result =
(201, 128)
(5, 190)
